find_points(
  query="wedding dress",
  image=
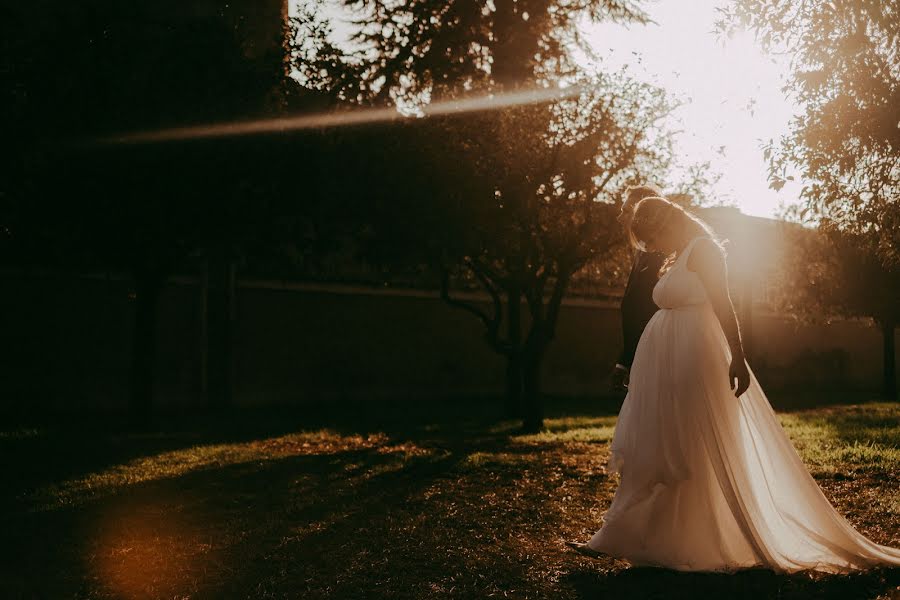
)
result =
(710, 482)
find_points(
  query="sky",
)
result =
(730, 92)
(731, 89)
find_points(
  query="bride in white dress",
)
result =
(709, 479)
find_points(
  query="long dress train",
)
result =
(710, 482)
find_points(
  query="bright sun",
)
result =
(734, 95)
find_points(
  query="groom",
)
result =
(637, 304)
(637, 307)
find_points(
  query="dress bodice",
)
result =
(679, 287)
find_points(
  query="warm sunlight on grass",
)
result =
(852, 438)
(168, 465)
(458, 506)
(495, 460)
(573, 429)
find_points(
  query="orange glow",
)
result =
(143, 550)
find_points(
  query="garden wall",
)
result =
(66, 343)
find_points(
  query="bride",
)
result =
(709, 479)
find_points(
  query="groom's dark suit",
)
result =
(637, 303)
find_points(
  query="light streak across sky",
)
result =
(736, 102)
(345, 118)
(731, 92)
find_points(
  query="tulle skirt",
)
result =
(710, 482)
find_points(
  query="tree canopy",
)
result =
(845, 76)
(518, 192)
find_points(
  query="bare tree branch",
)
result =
(492, 321)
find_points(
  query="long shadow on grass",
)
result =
(878, 424)
(306, 548)
(72, 449)
(752, 584)
(248, 513)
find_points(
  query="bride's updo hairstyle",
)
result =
(653, 214)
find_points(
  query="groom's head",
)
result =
(633, 195)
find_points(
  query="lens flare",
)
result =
(347, 118)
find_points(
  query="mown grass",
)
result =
(382, 501)
(847, 439)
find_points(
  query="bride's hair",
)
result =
(652, 214)
(635, 193)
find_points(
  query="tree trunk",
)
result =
(219, 308)
(514, 380)
(204, 334)
(516, 41)
(532, 405)
(148, 285)
(541, 333)
(890, 361)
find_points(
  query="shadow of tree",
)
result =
(74, 448)
(237, 515)
(444, 503)
(875, 423)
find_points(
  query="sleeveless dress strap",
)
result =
(690, 246)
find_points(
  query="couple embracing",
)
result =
(709, 479)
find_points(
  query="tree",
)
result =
(73, 200)
(845, 144)
(835, 275)
(514, 197)
(844, 75)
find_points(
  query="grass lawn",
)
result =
(396, 501)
